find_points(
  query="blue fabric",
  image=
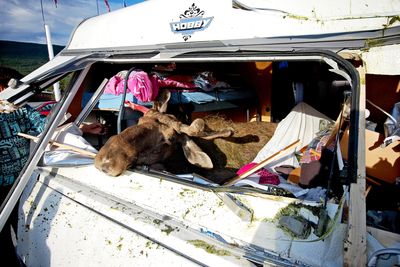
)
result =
(192, 97)
(110, 101)
(14, 150)
(207, 97)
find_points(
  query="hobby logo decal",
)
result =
(190, 21)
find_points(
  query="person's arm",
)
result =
(93, 128)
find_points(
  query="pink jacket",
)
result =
(140, 84)
(144, 87)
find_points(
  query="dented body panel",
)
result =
(178, 222)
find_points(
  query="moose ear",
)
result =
(161, 104)
(195, 155)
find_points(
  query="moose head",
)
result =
(156, 136)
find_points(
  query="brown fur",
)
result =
(156, 136)
(148, 144)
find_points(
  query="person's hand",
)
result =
(93, 128)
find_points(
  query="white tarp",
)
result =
(302, 123)
(68, 134)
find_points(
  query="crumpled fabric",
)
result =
(143, 86)
(262, 176)
(68, 134)
(176, 81)
(207, 82)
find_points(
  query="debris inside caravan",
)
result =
(290, 177)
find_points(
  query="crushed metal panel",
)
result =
(174, 213)
(103, 242)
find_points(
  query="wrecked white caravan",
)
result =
(273, 58)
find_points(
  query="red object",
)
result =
(246, 167)
(46, 107)
(267, 177)
(264, 176)
(137, 107)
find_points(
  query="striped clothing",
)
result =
(14, 150)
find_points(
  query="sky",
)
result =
(22, 21)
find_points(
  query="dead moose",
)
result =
(157, 136)
(153, 140)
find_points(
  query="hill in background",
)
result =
(24, 57)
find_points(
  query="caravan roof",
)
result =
(226, 23)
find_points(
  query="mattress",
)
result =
(110, 101)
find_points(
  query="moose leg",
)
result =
(197, 129)
(194, 129)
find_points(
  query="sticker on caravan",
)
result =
(191, 20)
